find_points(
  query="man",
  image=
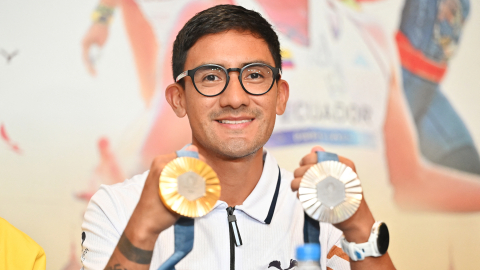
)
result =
(230, 125)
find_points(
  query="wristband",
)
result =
(102, 14)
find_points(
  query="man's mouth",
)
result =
(234, 122)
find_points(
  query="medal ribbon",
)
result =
(183, 229)
(311, 227)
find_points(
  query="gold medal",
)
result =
(189, 187)
(330, 191)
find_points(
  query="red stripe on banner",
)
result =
(416, 62)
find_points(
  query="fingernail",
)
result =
(192, 148)
(317, 148)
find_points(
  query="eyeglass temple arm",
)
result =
(181, 76)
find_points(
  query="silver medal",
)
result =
(330, 191)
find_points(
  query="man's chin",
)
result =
(237, 148)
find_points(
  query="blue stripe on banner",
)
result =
(321, 135)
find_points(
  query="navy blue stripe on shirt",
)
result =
(274, 200)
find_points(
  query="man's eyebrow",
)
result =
(241, 65)
(256, 61)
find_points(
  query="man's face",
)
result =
(233, 124)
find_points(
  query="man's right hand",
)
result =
(148, 220)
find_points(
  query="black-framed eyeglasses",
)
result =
(211, 80)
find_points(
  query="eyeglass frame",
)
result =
(191, 72)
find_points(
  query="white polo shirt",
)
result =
(270, 222)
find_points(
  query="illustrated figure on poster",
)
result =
(429, 36)
(355, 99)
(151, 26)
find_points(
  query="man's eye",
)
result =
(254, 76)
(211, 78)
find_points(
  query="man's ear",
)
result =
(282, 96)
(175, 95)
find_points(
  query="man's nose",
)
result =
(234, 96)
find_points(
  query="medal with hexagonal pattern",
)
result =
(330, 191)
(189, 187)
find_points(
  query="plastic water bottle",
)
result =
(308, 257)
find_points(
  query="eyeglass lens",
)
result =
(211, 80)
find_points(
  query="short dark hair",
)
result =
(219, 19)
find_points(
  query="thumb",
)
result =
(317, 148)
(192, 148)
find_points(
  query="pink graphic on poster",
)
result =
(6, 139)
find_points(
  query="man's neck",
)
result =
(238, 177)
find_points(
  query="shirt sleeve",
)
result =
(102, 227)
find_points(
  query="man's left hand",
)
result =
(357, 228)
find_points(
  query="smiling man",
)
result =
(227, 67)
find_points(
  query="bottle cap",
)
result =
(308, 252)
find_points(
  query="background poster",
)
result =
(64, 132)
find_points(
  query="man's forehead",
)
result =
(231, 32)
(225, 63)
(231, 49)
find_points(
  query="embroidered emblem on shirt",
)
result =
(84, 235)
(85, 251)
(277, 264)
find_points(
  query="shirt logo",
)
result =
(84, 235)
(85, 251)
(278, 265)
